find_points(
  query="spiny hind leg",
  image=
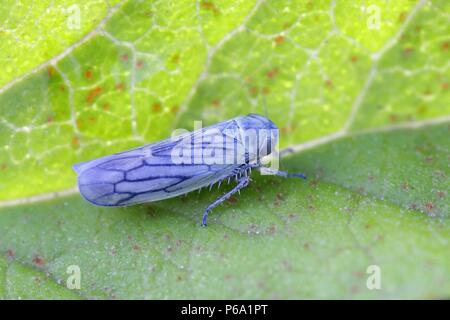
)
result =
(241, 183)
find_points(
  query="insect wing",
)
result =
(149, 173)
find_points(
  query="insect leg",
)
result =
(242, 183)
(282, 173)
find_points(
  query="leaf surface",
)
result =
(363, 108)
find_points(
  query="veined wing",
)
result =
(149, 173)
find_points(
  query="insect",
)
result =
(169, 168)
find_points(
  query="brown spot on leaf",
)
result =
(279, 39)
(441, 194)
(427, 92)
(329, 84)
(174, 109)
(88, 74)
(429, 159)
(176, 58)
(232, 200)
(272, 229)
(354, 289)
(106, 106)
(149, 14)
(284, 130)
(124, 57)
(272, 73)
(402, 17)
(228, 277)
(280, 196)
(287, 25)
(75, 142)
(354, 59)
(216, 103)
(156, 107)
(139, 64)
(10, 254)
(313, 183)
(151, 211)
(38, 261)
(445, 46)
(120, 86)
(254, 90)
(136, 248)
(51, 71)
(407, 52)
(393, 118)
(261, 285)
(444, 85)
(429, 206)
(210, 6)
(93, 93)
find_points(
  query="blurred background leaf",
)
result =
(362, 103)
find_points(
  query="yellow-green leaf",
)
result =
(359, 89)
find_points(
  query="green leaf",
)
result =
(364, 110)
(23, 282)
(32, 36)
